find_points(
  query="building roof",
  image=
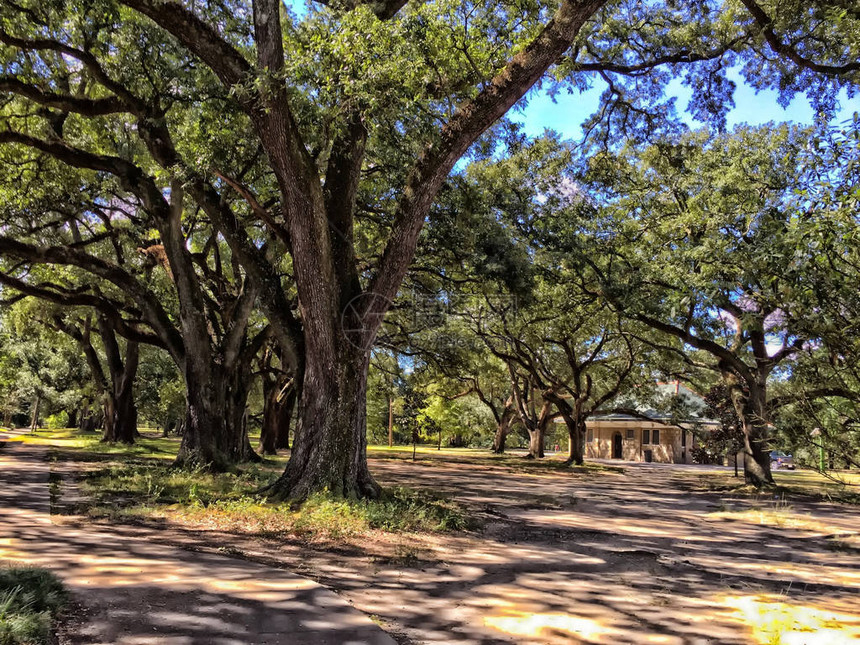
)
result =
(670, 403)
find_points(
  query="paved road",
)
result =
(136, 591)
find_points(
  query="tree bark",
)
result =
(90, 417)
(34, 421)
(536, 441)
(286, 417)
(330, 447)
(215, 433)
(390, 421)
(751, 408)
(576, 434)
(277, 413)
(236, 403)
(506, 420)
(574, 420)
(120, 417)
(119, 406)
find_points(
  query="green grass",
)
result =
(30, 600)
(87, 446)
(320, 517)
(515, 462)
(132, 484)
(842, 487)
(139, 482)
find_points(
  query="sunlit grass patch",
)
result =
(777, 513)
(398, 509)
(320, 517)
(155, 484)
(30, 600)
(840, 487)
(515, 461)
(774, 517)
(87, 446)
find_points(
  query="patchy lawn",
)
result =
(835, 486)
(601, 554)
(137, 482)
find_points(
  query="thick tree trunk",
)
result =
(120, 418)
(109, 410)
(206, 440)
(504, 427)
(126, 419)
(120, 408)
(215, 434)
(269, 429)
(91, 418)
(277, 413)
(330, 447)
(390, 421)
(536, 441)
(236, 401)
(286, 416)
(751, 409)
(34, 421)
(574, 420)
(576, 434)
(73, 418)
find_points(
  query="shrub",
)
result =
(29, 601)
(58, 420)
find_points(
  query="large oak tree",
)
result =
(352, 119)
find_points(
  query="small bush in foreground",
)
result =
(29, 601)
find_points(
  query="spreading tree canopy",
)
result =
(315, 147)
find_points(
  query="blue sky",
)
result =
(567, 113)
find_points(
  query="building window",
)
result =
(655, 436)
(646, 436)
(590, 435)
(631, 434)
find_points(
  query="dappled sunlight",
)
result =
(636, 556)
(137, 589)
(537, 625)
(780, 570)
(621, 525)
(777, 517)
(773, 620)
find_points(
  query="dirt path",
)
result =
(632, 557)
(136, 591)
(639, 556)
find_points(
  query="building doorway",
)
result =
(616, 446)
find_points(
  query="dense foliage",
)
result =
(319, 219)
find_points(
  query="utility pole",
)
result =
(816, 433)
(390, 421)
